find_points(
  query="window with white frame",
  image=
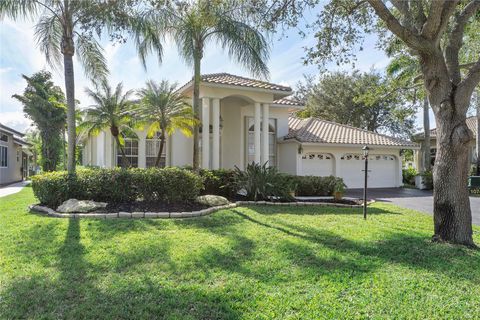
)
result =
(3, 157)
(272, 141)
(131, 152)
(3, 137)
(152, 147)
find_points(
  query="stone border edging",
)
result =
(166, 215)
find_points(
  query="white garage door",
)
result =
(382, 171)
(317, 164)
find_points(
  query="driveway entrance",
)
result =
(415, 199)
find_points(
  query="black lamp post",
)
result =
(365, 155)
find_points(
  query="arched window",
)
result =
(272, 141)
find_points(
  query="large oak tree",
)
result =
(434, 33)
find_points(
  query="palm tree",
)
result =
(165, 111)
(405, 71)
(112, 110)
(192, 25)
(68, 26)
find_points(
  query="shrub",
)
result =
(171, 185)
(408, 176)
(262, 182)
(317, 186)
(427, 179)
(219, 182)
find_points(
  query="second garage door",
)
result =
(382, 171)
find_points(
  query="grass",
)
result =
(246, 263)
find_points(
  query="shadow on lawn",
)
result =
(77, 292)
(319, 210)
(414, 251)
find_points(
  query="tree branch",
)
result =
(455, 40)
(434, 18)
(406, 35)
(466, 87)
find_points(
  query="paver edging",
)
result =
(166, 215)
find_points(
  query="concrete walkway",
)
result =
(12, 188)
(412, 199)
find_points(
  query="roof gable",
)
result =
(315, 130)
(233, 80)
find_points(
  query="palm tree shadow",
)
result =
(79, 292)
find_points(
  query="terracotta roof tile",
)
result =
(233, 80)
(316, 130)
(288, 102)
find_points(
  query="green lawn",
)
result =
(245, 263)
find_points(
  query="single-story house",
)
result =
(247, 120)
(13, 156)
(420, 138)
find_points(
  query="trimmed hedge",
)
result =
(172, 185)
(316, 186)
(219, 182)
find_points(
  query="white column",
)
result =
(205, 132)
(265, 125)
(256, 133)
(142, 149)
(216, 133)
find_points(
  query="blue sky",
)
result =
(19, 55)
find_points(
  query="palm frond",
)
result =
(48, 35)
(244, 44)
(19, 8)
(90, 54)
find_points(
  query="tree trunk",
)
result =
(160, 150)
(125, 162)
(64, 149)
(452, 214)
(451, 204)
(196, 107)
(70, 93)
(477, 142)
(427, 161)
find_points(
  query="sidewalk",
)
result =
(12, 188)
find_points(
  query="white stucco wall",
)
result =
(12, 172)
(288, 158)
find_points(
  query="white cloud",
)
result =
(15, 120)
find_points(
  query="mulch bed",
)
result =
(152, 206)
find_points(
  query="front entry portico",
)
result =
(211, 127)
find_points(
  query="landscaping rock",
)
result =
(74, 205)
(212, 200)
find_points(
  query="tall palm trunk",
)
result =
(160, 150)
(125, 162)
(64, 143)
(196, 106)
(427, 162)
(70, 92)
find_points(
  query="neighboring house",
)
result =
(13, 156)
(234, 133)
(418, 156)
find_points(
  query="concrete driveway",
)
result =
(419, 200)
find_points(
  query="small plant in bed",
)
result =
(260, 182)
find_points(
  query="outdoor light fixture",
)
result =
(300, 149)
(365, 155)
